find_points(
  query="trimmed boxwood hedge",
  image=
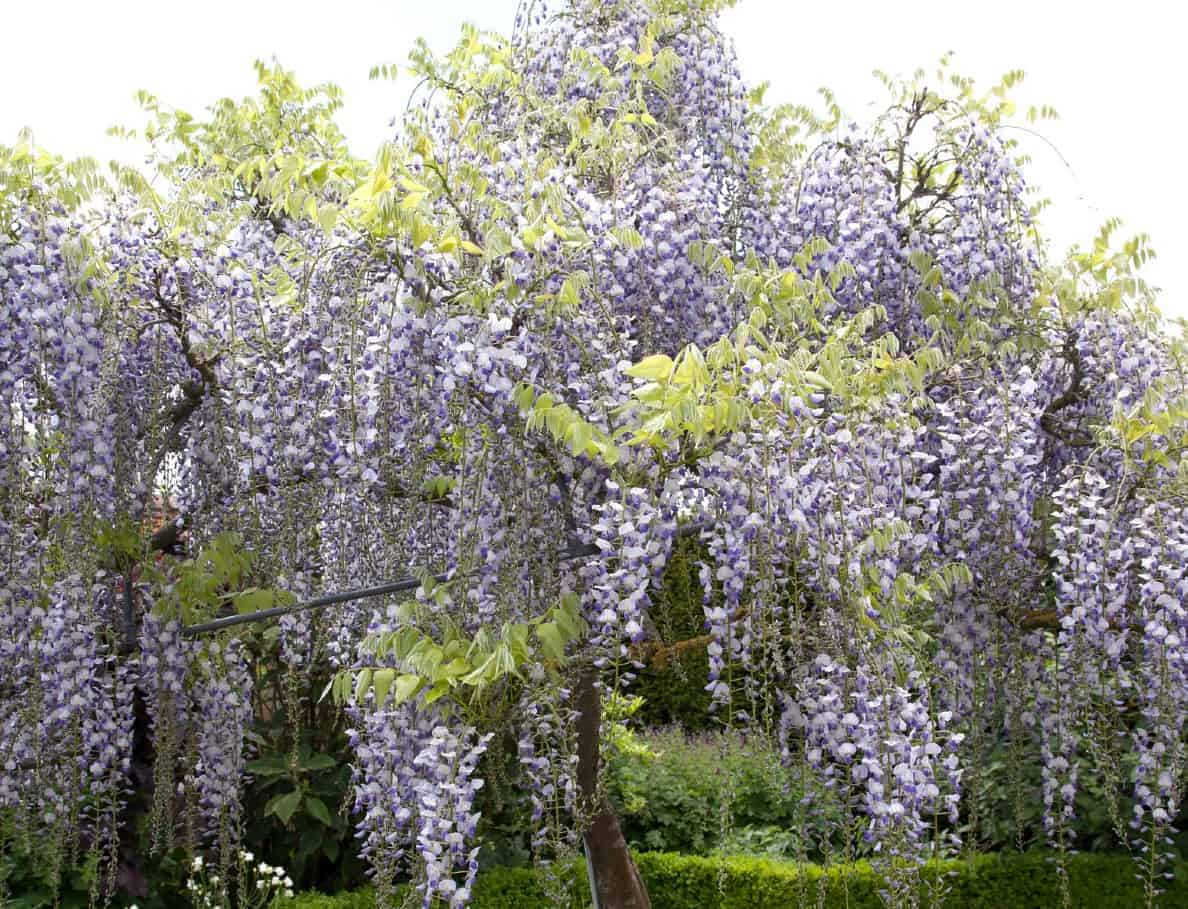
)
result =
(1005, 881)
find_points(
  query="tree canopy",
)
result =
(596, 297)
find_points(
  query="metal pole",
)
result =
(590, 875)
(398, 586)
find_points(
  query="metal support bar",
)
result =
(398, 586)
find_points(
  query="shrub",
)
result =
(300, 776)
(1005, 881)
(674, 690)
(673, 681)
(563, 885)
(670, 794)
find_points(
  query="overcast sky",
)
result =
(69, 69)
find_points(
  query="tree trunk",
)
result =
(613, 876)
(131, 873)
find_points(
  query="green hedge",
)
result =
(1007, 881)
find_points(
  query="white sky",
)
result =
(69, 69)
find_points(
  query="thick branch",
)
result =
(471, 231)
(1041, 620)
(167, 539)
(658, 654)
(1074, 393)
(192, 394)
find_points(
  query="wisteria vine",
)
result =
(595, 291)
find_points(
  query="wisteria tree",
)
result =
(596, 300)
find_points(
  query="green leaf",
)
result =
(253, 600)
(817, 380)
(406, 687)
(438, 691)
(453, 669)
(625, 236)
(691, 368)
(551, 644)
(284, 806)
(569, 296)
(317, 809)
(362, 683)
(327, 218)
(412, 185)
(318, 762)
(273, 765)
(579, 435)
(656, 368)
(330, 849)
(481, 673)
(311, 839)
(382, 681)
(524, 395)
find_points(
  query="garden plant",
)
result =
(449, 419)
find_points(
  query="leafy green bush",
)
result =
(1006, 881)
(299, 780)
(34, 876)
(672, 795)
(1010, 811)
(562, 885)
(762, 841)
(296, 822)
(25, 882)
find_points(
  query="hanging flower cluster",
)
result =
(884, 741)
(415, 787)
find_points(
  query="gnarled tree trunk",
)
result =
(615, 880)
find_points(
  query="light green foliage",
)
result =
(196, 589)
(29, 173)
(565, 425)
(782, 355)
(434, 657)
(1105, 279)
(619, 737)
(279, 153)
